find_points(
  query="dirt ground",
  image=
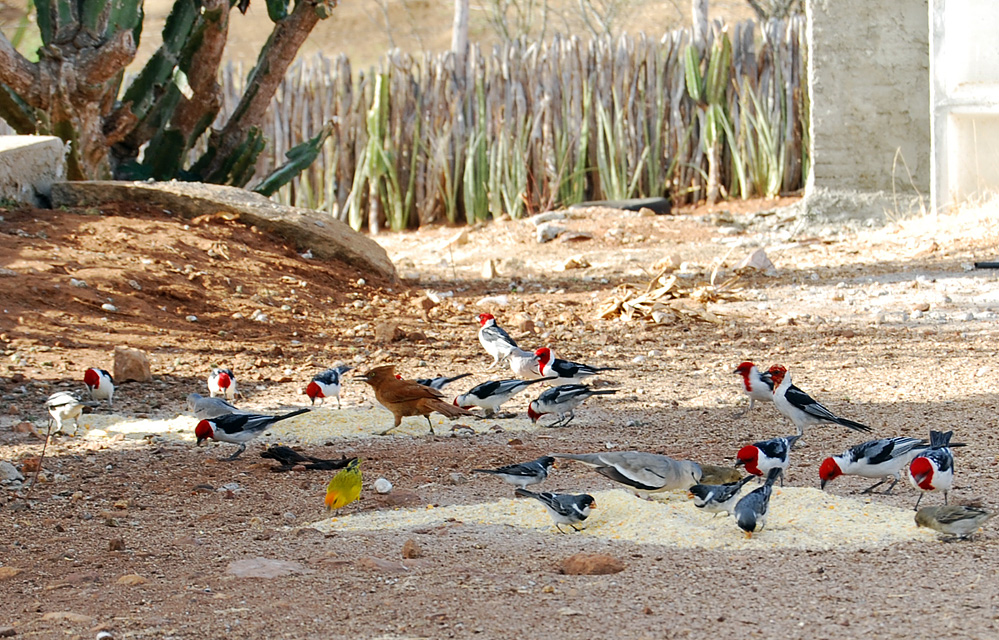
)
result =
(891, 327)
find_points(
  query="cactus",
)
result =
(710, 92)
(74, 90)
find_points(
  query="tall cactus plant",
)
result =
(74, 91)
(710, 91)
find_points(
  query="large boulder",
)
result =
(325, 236)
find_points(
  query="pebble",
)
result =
(79, 284)
(382, 486)
(107, 306)
(191, 318)
(638, 359)
(289, 516)
(9, 473)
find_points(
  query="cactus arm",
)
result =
(299, 158)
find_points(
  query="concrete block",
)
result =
(28, 167)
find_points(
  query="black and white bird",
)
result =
(100, 384)
(494, 339)
(327, 384)
(203, 407)
(958, 522)
(798, 407)
(760, 457)
(551, 367)
(239, 428)
(222, 382)
(751, 511)
(492, 394)
(755, 385)
(523, 474)
(562, 401)
(718, 498)
(933, 469)
(643, 472)
(440, 381)
(64, 406)
(882, 459)
(564, 508)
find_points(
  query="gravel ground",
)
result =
(145, 535)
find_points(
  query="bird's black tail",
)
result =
(603, 392)
(291, 414)
(524, 493)
(939, 439)
(856, 426)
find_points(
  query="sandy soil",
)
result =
(889, 327)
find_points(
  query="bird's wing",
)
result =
(396, 391)
(776, 448)
(806, 403)
(495, 333)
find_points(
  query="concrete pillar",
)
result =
(965, 100)
(868, 76)
(28, 167)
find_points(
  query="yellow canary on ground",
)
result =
(345, 487)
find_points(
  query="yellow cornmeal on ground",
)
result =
(316, 427)
(799, 518)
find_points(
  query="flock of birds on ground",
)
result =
(927, 464)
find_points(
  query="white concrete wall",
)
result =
(869, 81)
(965, 100)
(28, 167)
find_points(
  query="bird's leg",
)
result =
(945, 497)
(875, 486)
(385, 433)
(431, 425)
(559, 527)
(916, 508)
(568, 419)
(239, 451)
(338, 402)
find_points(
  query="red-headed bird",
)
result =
(755, 385)
(100, 384)
(798, 407)
(327, 385)
(933, 469)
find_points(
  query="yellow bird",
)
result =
(345, 487)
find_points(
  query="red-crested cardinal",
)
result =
(203, 407)
(100, 383)
(562, 401)
(63, 406)
(523, 474)
(238, 428)
(718, 498)
(492, 394)
(958, 522)
(327, 385)
(564, 508)
(761, 457)
(883, 459)
(751, 511)
(933, 469)
(643, 472)
(440, 381)
(524, 364)
(222, 382)
(551, 367)
(755, 385)
(494, 339)
(798, 407)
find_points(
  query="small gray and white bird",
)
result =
(238, 428)
(562, 401)
(440, 381)
(64, 406)
(755, 385)
(494, 339)
(100, 384)
(956, 521)
(327, 385)
(204, 408)
(524, 364)
(222, 382)
(643, 472)
(718, 498)
(565, 508)
(751, 511)
(492, 394)
(523, 474)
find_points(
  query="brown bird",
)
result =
(407, 397)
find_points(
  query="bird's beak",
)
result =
(749, 534)
(738, 463)
(200, 440)
(593, 505)
(822, 485)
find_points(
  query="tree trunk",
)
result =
(699, 22)
(459, 38)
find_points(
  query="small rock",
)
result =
(399, 498)
(574, 236)
(549, 216)
(131, 580)
(411, 549)
(9, 473)
(645, 212)
(7, 573)
(135, 285)
(416, 336)
(922, 306)
(191, 318)
(13, 410)
(79, 284)
(757, 260)
(424, 304)
(31, 465)
(638, 359)
(374, 563)
(67, 616)
(389, 332)
(575, 262)
(524, 323)
(265, 568)
(457, 478)
(7, 632)
(116, 544)
(547, 232)
(500, 301)
(383, 486)
(131, 364)
(591, 564)
(26, 427)
(489, 269)
(458, 239)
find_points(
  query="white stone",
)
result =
(382, 486)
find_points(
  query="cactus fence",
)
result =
(531, 126)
